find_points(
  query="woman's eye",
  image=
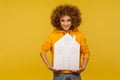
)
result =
(68, 20)
(62, 20)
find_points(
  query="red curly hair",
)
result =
(68, 10)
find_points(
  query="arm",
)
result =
(85, 61)
(83, 67)
(85, 52)
(45, 48)
(44, 58)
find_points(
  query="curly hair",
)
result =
(68, 10)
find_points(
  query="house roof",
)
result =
(67, 40)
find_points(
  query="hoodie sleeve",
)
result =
(46, 45)
(84, 47)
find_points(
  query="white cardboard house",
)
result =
(66, 53)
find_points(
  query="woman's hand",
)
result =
(85, 61)
(78, 71)
(54, 70)
(47, 63)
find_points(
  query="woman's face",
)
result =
(65, 22)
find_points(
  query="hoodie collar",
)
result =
(62, 31)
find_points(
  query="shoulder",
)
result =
(79, 33)
(54, 33)
(79, 36)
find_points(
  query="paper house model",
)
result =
(66, 53)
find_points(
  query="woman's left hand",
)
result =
(78, 71)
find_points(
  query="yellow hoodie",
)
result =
(57, 34)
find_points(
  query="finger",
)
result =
(57, 70)
(74, 71)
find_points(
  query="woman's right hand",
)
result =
(54, 70)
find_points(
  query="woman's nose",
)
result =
(65, 23)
